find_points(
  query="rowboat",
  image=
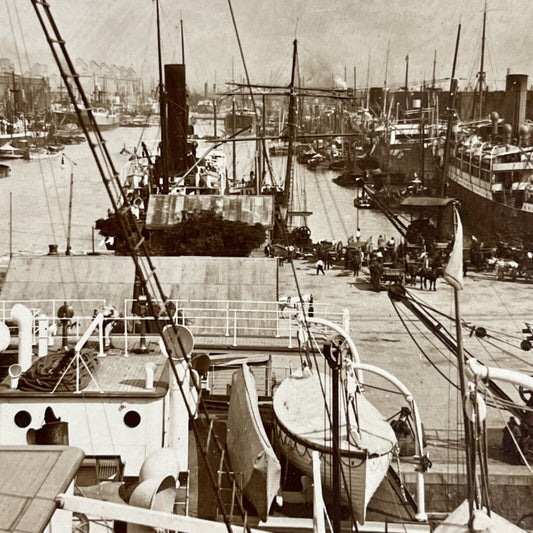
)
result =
(366, 438)
(252, 456)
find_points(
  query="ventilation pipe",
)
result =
(524, 133)
(507, 133)
(22, 317)
(494, 117)
(15, 371)
(5, 337)
(149, 368)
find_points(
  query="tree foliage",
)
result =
(207, 233)
(202, 233)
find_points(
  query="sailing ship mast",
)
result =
(291, 125)
(481, 73)
(162, 109)
(451, 115)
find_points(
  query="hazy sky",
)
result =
(332, 35)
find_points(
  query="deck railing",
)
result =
(212, 322)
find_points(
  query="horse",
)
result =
(429, 272)
(353, 259)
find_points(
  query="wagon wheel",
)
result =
(526, 395)
(525, 345)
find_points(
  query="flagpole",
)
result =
(453, 274)
(470, 474)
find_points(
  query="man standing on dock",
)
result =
(320, 267)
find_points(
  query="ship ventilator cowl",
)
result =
(22, 317)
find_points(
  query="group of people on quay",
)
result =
(416, 258)
(387, 260)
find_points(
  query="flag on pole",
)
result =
(453, 273)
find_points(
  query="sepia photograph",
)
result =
(266, 266)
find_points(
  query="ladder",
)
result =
(131, 233)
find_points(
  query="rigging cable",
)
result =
(263, 141)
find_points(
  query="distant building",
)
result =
(6, 65)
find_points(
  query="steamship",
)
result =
(490, 168)
(402, 147)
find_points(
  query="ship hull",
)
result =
(403, 159)
(104, 122)
(484, 215)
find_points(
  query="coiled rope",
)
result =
(44, 374)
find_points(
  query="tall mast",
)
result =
(263, 141)
(291, 123)
(368, 82)
(434, 69)
(385, 83)
(451, 114)
(406, 81)
(162, 110)
(182, 42)
(477, 105)
(481, 69)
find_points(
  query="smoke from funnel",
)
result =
(340, 83)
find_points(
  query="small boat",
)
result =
(302, 427)
(137, 121)
(5, 170)
(106, 120)
(31, 154)
(8, 151)
(349, 179)
(317, 161)
(362, 202)
(249, 449)
(338, 163)
(279, 149)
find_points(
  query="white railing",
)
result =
(49, 307)
(239, 320)
(214, 321)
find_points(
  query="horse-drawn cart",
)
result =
(393, 275)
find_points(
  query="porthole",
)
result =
(22, 419)
(132, 419)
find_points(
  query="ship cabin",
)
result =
(431, 221)
(409, 130)
(497, 171)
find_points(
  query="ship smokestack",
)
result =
(515, 101)
(177, 118)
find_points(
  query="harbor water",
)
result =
(34, 198)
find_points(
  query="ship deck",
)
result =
(115, 375)
(382, 340)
